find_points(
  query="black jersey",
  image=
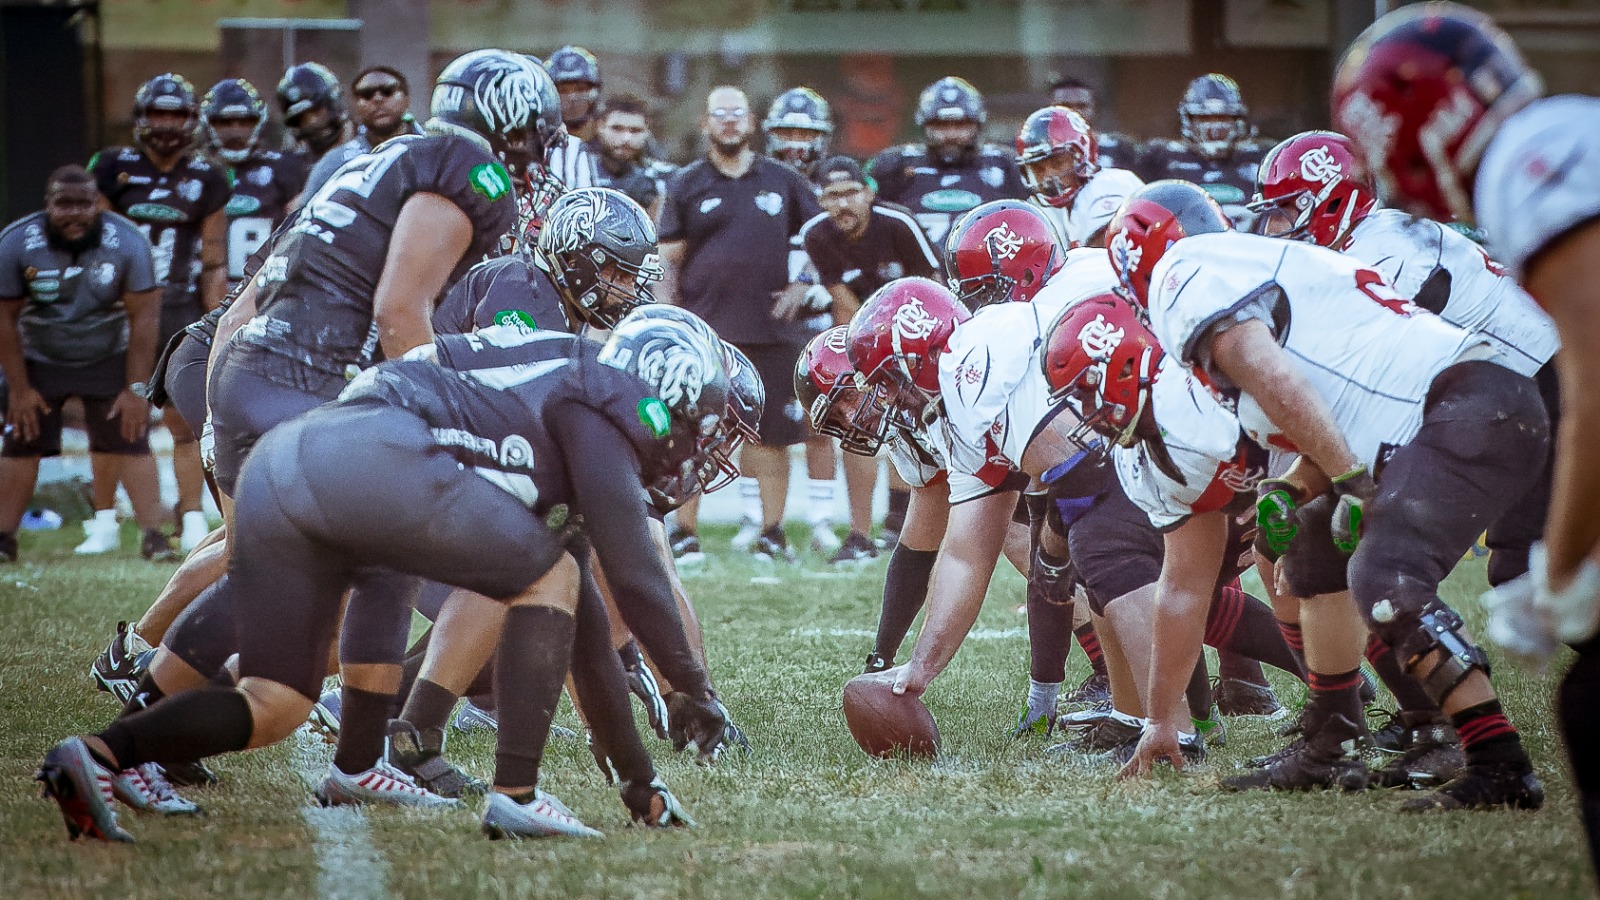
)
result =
(169, 208)
(1231, 180)
(644, 181)
(893, 246)
(938, 194)
(1117, 151)
(501, 291)
(314, 328)
(263, 185)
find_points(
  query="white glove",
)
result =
(428, 351)
(1517, 623)
(1574, 610)
(208, 446)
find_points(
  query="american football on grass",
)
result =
(885, 723)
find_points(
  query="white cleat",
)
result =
(824, 541)
(382, 783)
(103, 534)
(195, 529)
(544, 816)
(146, 789)
(748, 532)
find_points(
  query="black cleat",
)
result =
(193, 774)
(119, 667)
(1193, 747)
(157, 547)
(1094, 690)
(83, 790)
(1327, 757)
(1506, 785)
(1235, 697)
(1102, 735)
(420, 754)
(1429, 755)
(876, 663)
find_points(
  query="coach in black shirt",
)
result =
(725, 229)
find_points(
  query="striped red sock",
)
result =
(1090, 642)
(1487, 735)
(1342, 681)
(1293, 636)
(1224, 616)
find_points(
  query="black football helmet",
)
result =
(232, 98)
(799, 108)
(687, 374)
(951, 99)
(1209, 96)
(168, 92)
(506, 99)
(575, 65)
(584, 231)
(309, 86)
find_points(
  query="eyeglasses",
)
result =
(378, 92)
(724, 114)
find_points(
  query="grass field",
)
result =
(806, 816)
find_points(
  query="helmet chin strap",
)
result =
(1127, 437)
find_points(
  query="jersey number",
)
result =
(161, 250)
(359, 176)
(1377, 290)
(246, 234)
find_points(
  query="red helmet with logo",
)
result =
(1151, 220)
(1421, 92)
(1053, 131)
(832, 395)
(1100, 357)
(1311, 186)
(896, 338)
(1002, 250)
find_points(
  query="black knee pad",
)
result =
(206, 633)
(1312, 565)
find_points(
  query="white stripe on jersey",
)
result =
(916, 230)
(1371, 356)
(573, 164)
(1483, 298)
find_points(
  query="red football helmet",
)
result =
(1312, 186)
(1100, 357)
(895, 341)
(1421, 92)
(832, 394)
(1055, 131)
(1002, 250)
(1150, 220)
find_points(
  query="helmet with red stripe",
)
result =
(895, 342)
(1057, 153)
(1002, 250)
(1100, 357)
(1151, 220)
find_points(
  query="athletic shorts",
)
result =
(186, 379)
(176, 318)
(783, 420)
(97, 385)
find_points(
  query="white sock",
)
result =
(1042, 695)
(750, 499)
(106, 515)
(820, 509)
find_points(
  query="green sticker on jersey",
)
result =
(491, 180)
(516, 318)
(1224, 193)
(653, 413)
(951, 200)
(156, 212)
(240, 205)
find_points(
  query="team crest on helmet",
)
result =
(1125, 252)
(572, 223)
(1317, 164)
(1360, 115)
(509, 97)
(676, 370)
(1003, 241)
(1099, 338)
(913, 322)
(837, 340)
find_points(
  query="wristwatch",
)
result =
(140, 389)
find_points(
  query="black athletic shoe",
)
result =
(194, 774)
(1094, 690)
(1193, 747)
(119, 667)
(857, 548)
(1328, 758)
(1506, 785)
(876, 663)
(157, 547)
(772, 545)
(686, 548)
(1235, 697)
(420, 754)
(1428, 753)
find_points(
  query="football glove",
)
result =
(1276, 526)
(1355, 489)
(696, 720)
(1573, 610)
(642, 682)
(653, 806)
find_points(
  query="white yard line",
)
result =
(977, 634)
(349, 867)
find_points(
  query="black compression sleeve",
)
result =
(604, 474)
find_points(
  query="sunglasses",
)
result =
(378, 92)
(724, 114)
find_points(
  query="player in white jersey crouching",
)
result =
(1321, 357)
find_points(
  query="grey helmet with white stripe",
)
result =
(504, 98)
(599, 248)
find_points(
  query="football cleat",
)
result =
(194, 774)
(857, 548)
(146, 789)
(1327, 758)
(1433, 756)
(653, 806)
(102, 534)
(876, 663)
(686, 548)
(120, 666)
(1238, 698)
(1084, 718)
(382, 783)
(1512, 786)
(543, 816)
(83, 789)
(157, 547)
(1094, 690)
(1213, 729)
(420, 754)
(772, 545)
(475, 718)
(325, 713)
(1105, 733)
(823, 540)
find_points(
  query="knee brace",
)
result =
(1436, 627)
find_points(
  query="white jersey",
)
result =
(1540, 177)
(1203, 444)
(1371, 355)
(1483, 298)
(573, 164)
(1092, 208)
(992, 381)
(919, 461)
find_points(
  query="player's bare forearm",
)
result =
(213, 261)
(1565, 279)
(144, 328)
(672, 256)
(961, 578)
(430, 237)
(1193, 556)
(1252, 359)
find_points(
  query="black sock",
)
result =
(429, 705)
(1408, 692)
(1199, 691)
(411, 668)
(1245, 634)
(1049, 637)
(363, 722)
(1338, 692)
(182, 729)
(905, 590)
(602, 690)
(530, 665)
(1488, 736)
(146, 695)
(899, 502)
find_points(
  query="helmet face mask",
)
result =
(798, 127)
(576, 73)
(166, 115)
(313, 109)
(831, 392)
(1100, 358)
(1057, 154)
(894, 343)
(950, 113)
(230, 104)
(1309, 187)
(599, 247)
(1212, 115)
